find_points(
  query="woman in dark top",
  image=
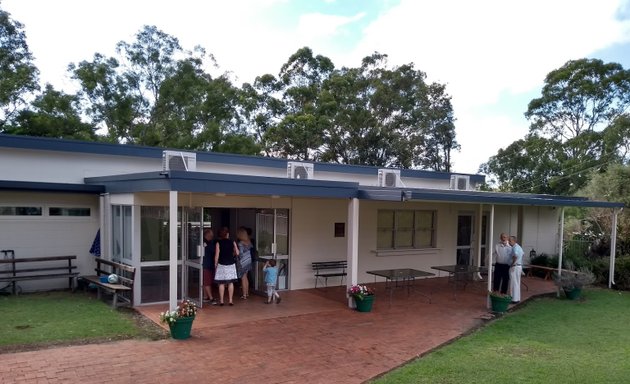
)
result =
(225, 255)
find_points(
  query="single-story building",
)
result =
(150, 205)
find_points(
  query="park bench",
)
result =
(325, 269)
(548, 271)
(36, 268)
(123, 289)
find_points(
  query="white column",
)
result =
(561, 247)
(353, 245)
(479, 232)
(172, 249)
(613, 248)
(489, 248)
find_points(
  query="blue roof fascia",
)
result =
(506, 198)
(102, 148)
(224, 183)
(50, 187)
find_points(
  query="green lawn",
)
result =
(58, 317)
(547, 341)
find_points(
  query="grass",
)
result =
(61, 317)
(547, 341)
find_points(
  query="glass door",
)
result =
(272, 242)
(192, 253)
(464, 239)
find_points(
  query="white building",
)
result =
(56, 194)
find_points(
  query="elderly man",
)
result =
(502, 257)
(516, 270)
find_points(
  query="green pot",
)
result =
(573, 293)
(181, 328)
(500, 304)
(364, 305)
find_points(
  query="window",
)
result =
(121, 232)
(61, 211)
(20, 211)
(154, 233)
(405, 229)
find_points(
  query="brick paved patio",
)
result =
(310, 337)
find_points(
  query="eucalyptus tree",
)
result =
(581, 120)
(18, 74)
(53, 114)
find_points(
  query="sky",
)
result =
(493, 55)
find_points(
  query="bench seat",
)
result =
(121, 291)
(326, 269)
(52, 267)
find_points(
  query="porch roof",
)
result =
(481, 197)
(203, 182)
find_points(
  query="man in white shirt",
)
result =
(516, 269)
(502, 259)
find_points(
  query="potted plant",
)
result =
(500, 301)
(180, 320)
(572, 281)
(363, 297)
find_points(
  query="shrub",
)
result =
(622, 272)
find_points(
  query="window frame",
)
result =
(415, 230)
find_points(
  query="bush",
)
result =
(622, 272)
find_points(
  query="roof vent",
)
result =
(460, 182)
(179, 161)
(296, 170)
(389, 178)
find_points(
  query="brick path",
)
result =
(311, 337)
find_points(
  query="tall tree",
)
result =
(18, 74)
(53, 114)
(580, 118)
(156, 93)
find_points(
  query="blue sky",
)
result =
(492, 54)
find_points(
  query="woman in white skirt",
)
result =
(225, 256)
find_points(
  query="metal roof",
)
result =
(92, 147)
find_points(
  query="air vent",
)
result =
(179, 161)
(297, 170)
(389, 178)
(460, 182)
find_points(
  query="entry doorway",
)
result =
(466, 239)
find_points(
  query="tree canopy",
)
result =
(155, 92)
(18, 74)
(579, 124)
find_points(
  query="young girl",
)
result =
(271, 276)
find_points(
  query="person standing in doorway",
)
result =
(208, 264)
(502, 252)
(516, 269)
(225, 256)
(245, 258)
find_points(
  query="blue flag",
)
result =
(95, 249)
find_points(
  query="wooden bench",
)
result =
(325, 269)
(122, 290)
(49, 267)
(547, 270)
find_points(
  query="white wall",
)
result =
(39, 236)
